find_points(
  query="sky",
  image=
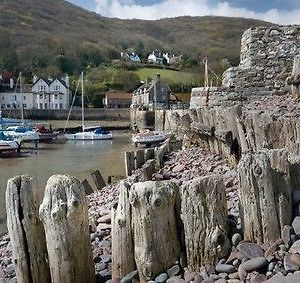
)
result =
(276, 11)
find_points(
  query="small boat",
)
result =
(22, 133)
(46, 134)
(97, 134)
(7, 144)
(150, 137)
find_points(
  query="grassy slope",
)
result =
(56, 26)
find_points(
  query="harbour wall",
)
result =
(120, 114)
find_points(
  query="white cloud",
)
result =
(128, 9)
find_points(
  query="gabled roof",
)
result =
(48, 82)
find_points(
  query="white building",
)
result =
(158, 57)
(51, 93)
(43, 94)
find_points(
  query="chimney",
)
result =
(35, 78)
(67, 81)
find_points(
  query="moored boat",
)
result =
(22, 133)
(98, 134)
(150, 137)
(46, 134)
(7, 144)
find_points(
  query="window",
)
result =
(41, 106)
(24, 105)
(41, 96)
(8, 106)
(60, 96)
(55, 96)
(60, 106)
(56, 106)
(24, 97)
(15, 98)
(46, 106)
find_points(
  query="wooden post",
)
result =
(156, 242)
(26, 230)
(149, 153)
(148, 169)
(139, 158)
(129, 162)
(265, 195)
(122, 239)
(98, 179)
(87, 187)
(204, 216)
(64, 214)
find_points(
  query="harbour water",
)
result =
(75, 158)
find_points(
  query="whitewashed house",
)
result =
(51, 93)
(158, 57)
(42, 94)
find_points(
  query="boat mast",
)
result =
(21, 94)
(82, 103)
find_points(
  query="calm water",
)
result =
(75, 158)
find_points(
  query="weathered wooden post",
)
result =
(148, 170)
(26, 231)
(265, 195)
(156, 242)
(87, 187)
(64, 214)
(149, 153)
(98, 179)
(139, 158)
(122, 239)
(204, 217)
(129, 162)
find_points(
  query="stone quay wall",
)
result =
(267, 55)
(122, 114)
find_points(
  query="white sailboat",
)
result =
(97, 134)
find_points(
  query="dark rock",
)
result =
(289, 265)
(250, 250)
(173, 271)
(163, 277)
(254, 264)
(286, 234)
(236, 238)
(296, 197)
(225, 268)
(132, 275)
(296, 225)
(105, 258)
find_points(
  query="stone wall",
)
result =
(267, 55)
(122, 114)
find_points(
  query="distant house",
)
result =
(51, 93)
(114, 99)
(151, 96)
(131, 56)
(42, 94)
(158, 57)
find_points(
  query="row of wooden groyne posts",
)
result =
(156, 224)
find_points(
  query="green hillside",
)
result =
(54, 36)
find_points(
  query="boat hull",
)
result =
(9, 146)
(149, 138)
(23, 137)
(88, 136)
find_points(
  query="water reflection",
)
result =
(77, 158)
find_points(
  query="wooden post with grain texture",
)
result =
(98, 179)
(122, 239)
(26, 231)
(64, 213)
(204, 217)
(129, 162)
(156, 241)
(295, 79)
(265, 195)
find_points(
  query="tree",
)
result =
(8, 55)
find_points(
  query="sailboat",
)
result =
(23, 133)
(97, 134)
